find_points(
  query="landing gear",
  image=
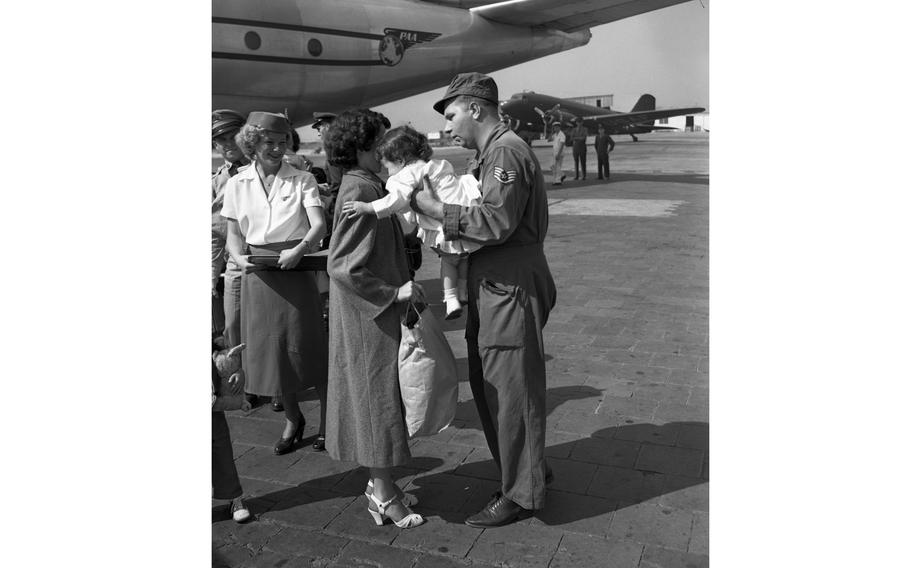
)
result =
(634, 138)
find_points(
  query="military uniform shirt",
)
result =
(508, 214)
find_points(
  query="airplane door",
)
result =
(690, 123)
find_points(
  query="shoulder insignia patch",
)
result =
(504, 176)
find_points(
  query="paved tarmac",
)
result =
(627, 424)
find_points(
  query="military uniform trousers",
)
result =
(510, 295)
(580, 155)
(603, 164)
(232, 280)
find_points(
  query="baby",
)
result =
(405, 153)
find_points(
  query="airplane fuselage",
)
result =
(302, 56)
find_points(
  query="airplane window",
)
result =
(314, 46)
(252, 40)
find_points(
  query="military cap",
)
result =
(270, 121)
(226, 120)
(320, 117)
(557, 123)
(577, 120)
(472, 84)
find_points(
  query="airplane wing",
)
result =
(629, 118)
(568, 15)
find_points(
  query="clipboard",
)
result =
(317, 261)
(264, 259)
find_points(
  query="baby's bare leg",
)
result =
(448, 269)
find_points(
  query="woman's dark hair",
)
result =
(319, 174)
(352, 130)
(295, 140)
(404, 145)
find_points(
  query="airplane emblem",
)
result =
(394, 43)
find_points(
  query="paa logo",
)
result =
(394, 43)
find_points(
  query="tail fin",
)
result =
(645, 102)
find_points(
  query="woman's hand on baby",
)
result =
(354, 209)
(411, 292)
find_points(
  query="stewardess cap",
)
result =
(225, 120)
(473, 84)
(270, 121)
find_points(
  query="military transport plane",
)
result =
(302, 56)
(532, 113)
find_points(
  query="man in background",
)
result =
(603, 145)
(579, 136)
(226, 297)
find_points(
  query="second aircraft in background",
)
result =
(530, 114)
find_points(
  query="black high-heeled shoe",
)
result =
(319, 443)
(285, 445)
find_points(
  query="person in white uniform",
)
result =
(559, 145)
(405, 153)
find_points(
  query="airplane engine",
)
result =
(547, 117)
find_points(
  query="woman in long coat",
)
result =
(369, 290)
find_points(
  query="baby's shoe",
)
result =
(453, 308)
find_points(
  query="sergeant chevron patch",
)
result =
(504, 176)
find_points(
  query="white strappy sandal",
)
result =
(410, 520)
(407, 499)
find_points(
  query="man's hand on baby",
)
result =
(354, 209)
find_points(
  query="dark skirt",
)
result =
(282, 327)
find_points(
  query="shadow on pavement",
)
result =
(612, 469)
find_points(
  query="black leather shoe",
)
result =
(319, 443)
(500, 512)
(285, 445)
(276, 405)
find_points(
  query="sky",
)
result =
(664, 53)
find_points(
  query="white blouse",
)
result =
(278, 217)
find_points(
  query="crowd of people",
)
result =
(488, 226)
